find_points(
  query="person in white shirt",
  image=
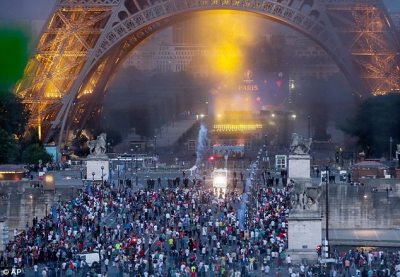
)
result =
(266, 270)
(289, 261)
(36, 270)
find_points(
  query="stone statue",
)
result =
(306, 197)
(299, 146)
(313, 195)
(97, 147)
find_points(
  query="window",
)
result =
(192, 145)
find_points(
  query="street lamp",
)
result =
(46, 208)
(390, 153)
(155, 146)
(102, 168)
(93, 173)
(108, 147)
(110, 168)
(136, 165)
(118, 170)
(131, 160)
(327, 210)
(309, 127)
(59, 198)
(72, 190)
(81, 169)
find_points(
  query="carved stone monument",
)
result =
(305, 222)
(97, 160)
(299, 159)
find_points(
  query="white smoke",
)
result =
(201, 143)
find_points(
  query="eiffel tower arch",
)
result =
(85, 42)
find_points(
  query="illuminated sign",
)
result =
(236, 127)
(248, 87)
(252, 90)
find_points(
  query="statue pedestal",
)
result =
(94, 164)
(305, 233)
(299, 167)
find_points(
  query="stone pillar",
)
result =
(299, 167)
(305, 233)
(94, 165)
(305, 226)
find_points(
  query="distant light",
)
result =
(219, 115)
(294, 116)
(202, 115)
(273, 114)
(220, 180)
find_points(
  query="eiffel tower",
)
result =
(85, 42)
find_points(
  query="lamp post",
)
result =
(59, 198)
(83, 181)
(118, 170)
(46, 209)
(108, 147)
(93, 173)
(131, 162)
(155, 146)
(72, 191)
(110, 168)
(45, 240)
(136, 165)
(309, 127)
(102, 168)
(390, 150)
(327, 210)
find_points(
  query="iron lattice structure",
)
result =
(84, 42)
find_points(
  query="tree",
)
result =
(79, 140)
(8, 148)
(377, 120)
(13, 120)
(35, 152)
(13, 117)
(79, 144)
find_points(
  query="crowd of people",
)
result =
(161, 230)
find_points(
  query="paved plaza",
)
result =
(194, 232)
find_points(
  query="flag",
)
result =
(89, 189)
(55, 213)
(242, 215)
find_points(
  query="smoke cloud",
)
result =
(201, 143)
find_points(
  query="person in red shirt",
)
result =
(141, 253)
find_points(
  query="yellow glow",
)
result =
(232, 31)
(227, 60)
(236, 127)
